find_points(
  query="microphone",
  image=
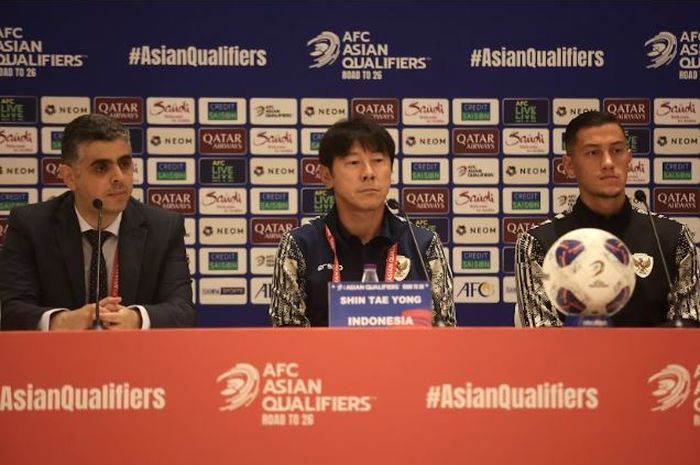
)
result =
(677, 321)
(97, 323)
(394, 205)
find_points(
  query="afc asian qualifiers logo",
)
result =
(242, 384)
(662, 49)
(672, 386)
(325, 49)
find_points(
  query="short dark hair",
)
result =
(340, 137)
(89, 128)
(588, 119)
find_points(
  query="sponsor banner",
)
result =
(222, 171)
(222, 111)
(323, 111)
(223, 201)
(525, 111)
(137, 193)
(474, 260)
(137, 167)
(126, 110)
(49, 171)
(677, 170)
(523, 171)
(274, 201)
(629, 111)
(639, 172)
(558, 146)
(510, 294)
(440, 226)
(524, 141)
(51, 140)
(677, 141)
(475, 171)
(16, 140)
(423, 200)
(273, 111)
(49, 193)
(525, 200)
(383, 110)
(309, 171)
(16, 109)
(63, 110)
(425, 171)
(170, 110)
(222, 141)
(19, 171)
(16, 197)
(513, 226)
(170, 141)
(171, 171)
(260, 291)
(311, 140)
(3, 229)
(475, 112)
(425, 111)
(190, 231)
(191, 261)
(222, 231)
(563, 198)
(262, 260)
(227, 261)
(693, 223)
(136, 140)
(316, 201)
(223, 291)
(477, 289)
(475, 230)
(475, 141)
(508, 260)
(566, 109)
(475, 200)
(676, 200)
(182, 200)
(416, 141)
(273, 171)
(677, 111)
(273, 141)
(559, 175)
(638, 140)
(269, 231)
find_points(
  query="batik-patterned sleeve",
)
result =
(685, 293)
(441, 281)
(288, 300)
(533, 307)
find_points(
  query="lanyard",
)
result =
(115, 274)
(389, 270)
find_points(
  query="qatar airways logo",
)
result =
(383, 111)
(629, 111)
(126, 110)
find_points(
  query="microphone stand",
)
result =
(97, 323)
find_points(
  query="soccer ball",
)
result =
(588, 271)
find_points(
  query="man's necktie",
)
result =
(91, 236)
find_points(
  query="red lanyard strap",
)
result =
(391, 259)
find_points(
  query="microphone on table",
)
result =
(97, 323)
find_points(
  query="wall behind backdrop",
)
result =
(227, 102)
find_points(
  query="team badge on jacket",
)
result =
(403, 266)
(643, 264)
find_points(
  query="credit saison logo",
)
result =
(10, 200)
(222, 261)
(522, 111)
(475, 260)
(526, 200)
(223, 111)
(475, 111)
(676, 171)
(425, 171)
(533, 199)
(361, 57)
(274, 201)
(15, 109)
(171, 171)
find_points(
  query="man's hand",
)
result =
(117, 316)
(80, 318)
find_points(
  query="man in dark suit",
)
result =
(48, 262)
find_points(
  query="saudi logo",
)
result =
(325, 49)
(672, 387)
(663, 47)
(242, 383)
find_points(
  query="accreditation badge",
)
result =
(643, 264)
(403, 266)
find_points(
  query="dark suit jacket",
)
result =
(41, 263)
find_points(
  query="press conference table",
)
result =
(348, 396)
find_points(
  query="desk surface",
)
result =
(409, 396)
